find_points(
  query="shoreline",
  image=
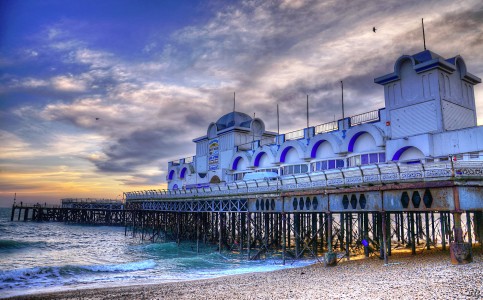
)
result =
(427, 275)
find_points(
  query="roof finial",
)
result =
(233, 101)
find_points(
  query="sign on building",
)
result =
(213, 153)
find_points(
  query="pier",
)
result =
(416, 207)
(323, 216)
(76, 211)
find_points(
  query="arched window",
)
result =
(182, 173)
(409, 154)
(364, 149)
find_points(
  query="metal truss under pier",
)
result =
(291, 221)
(415, 210)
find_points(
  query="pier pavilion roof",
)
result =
(427, 60)
(234, 119)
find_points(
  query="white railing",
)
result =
(294, 135)
(370, 174)
(88, 200)
(327, 127)
(186, 160)
(367, 117)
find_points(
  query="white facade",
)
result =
(429, 116)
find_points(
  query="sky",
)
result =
(97, 96)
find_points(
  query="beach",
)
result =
(427, 275)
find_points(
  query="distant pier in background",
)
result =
(78, 211)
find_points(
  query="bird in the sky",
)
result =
(97, 119)
(374, 29)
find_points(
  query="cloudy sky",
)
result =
(97, 96)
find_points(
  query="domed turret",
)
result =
(233, 119)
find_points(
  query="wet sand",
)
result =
(427, 275)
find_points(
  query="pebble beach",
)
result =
(427, 275)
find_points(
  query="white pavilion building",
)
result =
(429, 116)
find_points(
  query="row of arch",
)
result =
(182, 174)
(367, 138)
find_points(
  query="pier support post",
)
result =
(284, 236)
(221, 226)
(296, 222)
(426, 221)
(197, 232)
(288, 232)
(249, 234)
(365, 229)
(478, 221)
(241, 232)
(413, 240)
(330, 257)
(314, 233)
(13, 213)
(348, 235)
(442, 220)
(26, 214)
(323, 228)
(384, 237)
(468, 225)
(459, 250)
(388, 232)
(342, 231)
(401, 219)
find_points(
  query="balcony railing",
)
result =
(327, 127)
(294, 135)
(186, 160)
(367, 117)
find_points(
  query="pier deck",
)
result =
(414, 207)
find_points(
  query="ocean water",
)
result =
(52, 256)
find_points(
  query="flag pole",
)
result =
(278, 122)
(424, 37)
(342, 89)
(307, 111)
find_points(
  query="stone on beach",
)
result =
(428, 275)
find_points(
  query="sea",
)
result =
(37, 257)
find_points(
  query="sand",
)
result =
(427, 275)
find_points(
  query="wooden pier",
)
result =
(326, 225)
(312, 215)
(76, 211)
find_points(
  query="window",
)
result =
(339, 163)
(327, 164)
(366, 159)
(267, 170)
(295, 169)
(238, 176)
(474, 155)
